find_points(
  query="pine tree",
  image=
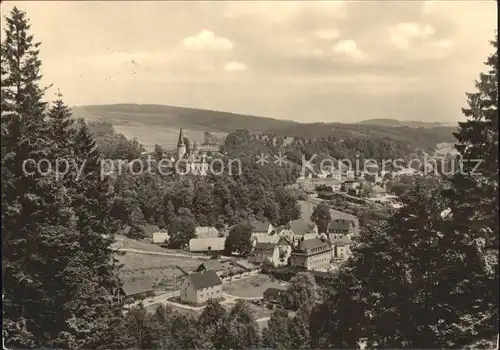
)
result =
(58, 268)
(60, 125)
(35, 209)
(94, 264)
(474, 191)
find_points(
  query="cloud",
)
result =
(443, 43)
(235, 66)
(405, 33)
(327, 34)
(206, 39)
(349, 48)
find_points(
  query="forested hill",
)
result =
(179, 117)
(146, 121)
(411, 124)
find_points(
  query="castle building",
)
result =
(194, 162)
(181, 146)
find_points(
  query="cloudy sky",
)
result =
(306, 61)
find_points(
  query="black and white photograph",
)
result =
(270, 175)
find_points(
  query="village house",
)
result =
(265, 252)
(351, 186)
(274, 294)
(160, 237)
(275, 253)
(199, 287)
(340, 227)
(207, 244)
(263, 232)
(378, 191)
(313, 254)
(211, 265)
(300, 228)
(135, 289)
(341, 247)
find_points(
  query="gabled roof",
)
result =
(275, 290)
(137, 286)
(259, 226)
(341, 241)
(265, 246)
(205, 279)
(312, 243)
(265, 238)
(301, 227)
(214, 265)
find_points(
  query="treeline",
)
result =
(348, 148)
(113, 145)
(422, 138)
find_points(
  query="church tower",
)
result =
(181, 146)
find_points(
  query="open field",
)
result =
(251, 287)
(122, 242)
(167, 272)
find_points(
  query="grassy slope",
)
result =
(152, 124)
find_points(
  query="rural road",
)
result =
(130, 250)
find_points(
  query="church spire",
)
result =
(181, 146)
(181, 139)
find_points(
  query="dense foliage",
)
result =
(428, 276)
(250, 191)
(114, 145)
(215, 328)
(57, 266)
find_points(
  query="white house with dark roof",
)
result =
(341, 247)
(265, 252)
(340, 227)
(199, 287)
(263, 232)
(313, 254)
